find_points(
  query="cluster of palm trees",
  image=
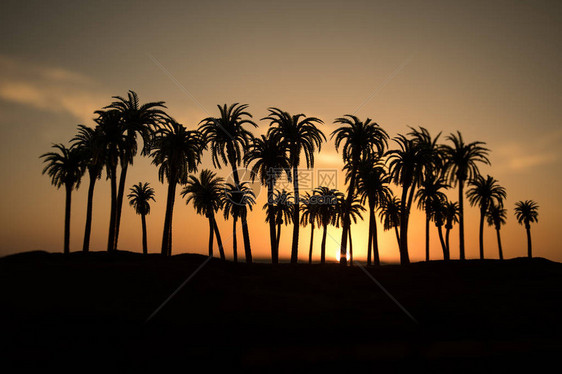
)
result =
(419, 166)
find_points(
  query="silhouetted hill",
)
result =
(89, 311)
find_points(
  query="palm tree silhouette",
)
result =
(372, 187)
(437, 214)
(87, 141)
(136, 119)
(237, 201)
(328, 202)
(527, 212)
(359, 140)
(112, 144)
(206, 193)
(297, 134)
(281, 209)
(269, 162)
(139, 198)
(390, 215)
(484, 192)
(310, 215)
(228, 139)
(65, 167)
(496, 216)
(461, 164)
(451, 211)
(429, 197)
(351, 212)
(177, 152)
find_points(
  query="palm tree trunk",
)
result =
(529, 245)
(481, 233)
(271, 213)
(370, 237)
(403, 242)
(234, 239)
(499, 243)
(375, 239)
(119, 205)
(89, 209)
(219, 240)
(427, 236)
(245, 232)
(323, 248)
(461, 220)
(350, 248)
(346, 221)
(67, 219)
(144, 243)
(397, 235)
(311, 243)
(111, 235)
(211, 236)
(296, 224)
(167, 235)
(447, 232)
(445, 250)
(278, 238)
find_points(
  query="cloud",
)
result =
(519, 156)
(51, 89)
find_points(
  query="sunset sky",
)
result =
(490, 69)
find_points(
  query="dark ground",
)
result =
(89, 311)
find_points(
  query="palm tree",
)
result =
(359, 140)
(496, 216)
(87, 142)
(390, 215)
(139, 198)
(527, 212)
(310, 215)
(281, 209)
(461, 164)
(136, 119)
(111, 145)
(228, 138)
(484, 192)
(372, 187)
(451, 211)
(437, 212)
(269, 162)
(65, 167)
(352, 212)
(429, 197)
(328, 200)
(237, 201)
(206, 193)
(298, 135)
(177, 152)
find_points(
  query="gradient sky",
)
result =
(490, 69)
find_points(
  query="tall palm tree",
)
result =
(269, 162)
(451, 211)
(139, 198)
(237, 200)
(65, 167)
(390, 215)
(87, 142)
(496, 216)
(177, 152)
(461, 163)
(372, 187)
(527, 212)
(111, 144)
(484, 192)
(136, 119)
(228, 138)
(310, 215)
(358, 140)
(328, 200)
(429, 197)
(206, 193)
(351, 212)
(298, 134)
(281, 209)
